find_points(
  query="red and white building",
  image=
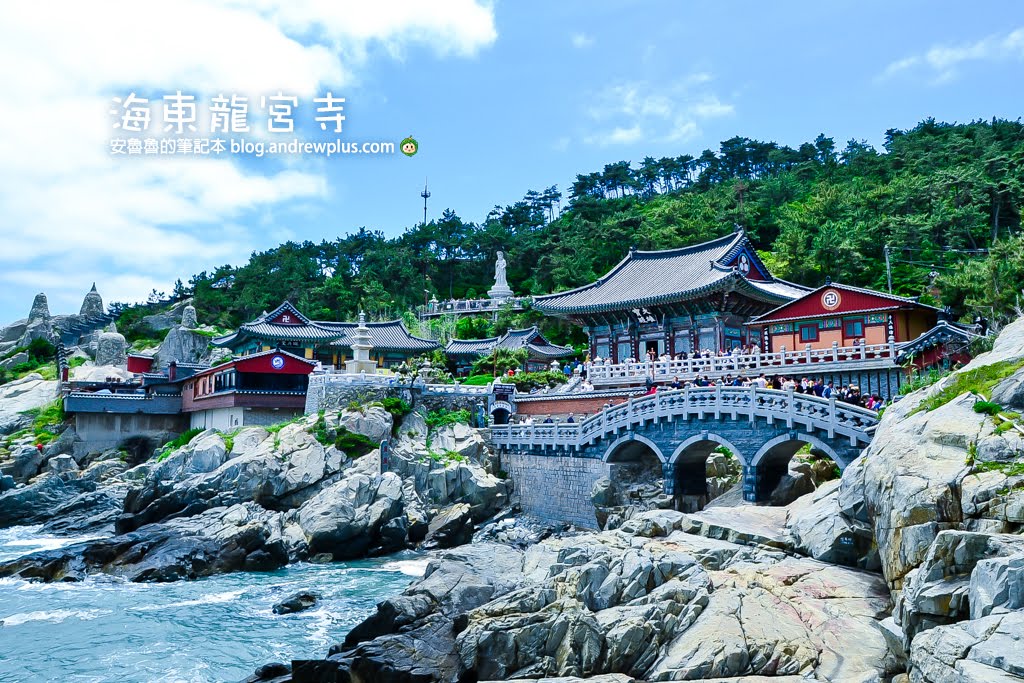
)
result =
(259, 389)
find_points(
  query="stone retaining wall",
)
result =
(555, 489)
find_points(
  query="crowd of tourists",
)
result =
(848, 393)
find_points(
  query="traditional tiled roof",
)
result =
(272, 352)
(646, 278)
(391, 335)
(385, 336)
(944, 332)
(470, 347)
(893, 301)
(529, 338)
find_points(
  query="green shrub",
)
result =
(979, 381)
(41, 351)
(352, 444)
(177, 443)
(478, 380)
(397, 407)
(987, 407)
(442, 417)
(920, 380)
(528, 381)
(275, 428)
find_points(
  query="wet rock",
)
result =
(217, 541)
(40, 501)
(298, 602)
(451, 527)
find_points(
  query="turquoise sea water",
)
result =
(216, 629)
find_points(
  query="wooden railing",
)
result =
(845, 358)
(806, 410)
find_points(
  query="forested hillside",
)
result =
(815, 211)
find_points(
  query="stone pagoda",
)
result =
(361, 346)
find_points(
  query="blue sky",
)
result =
(503, 98)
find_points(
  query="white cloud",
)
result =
(942, 61)
(72, 213)
(581, 40)
(624, 113)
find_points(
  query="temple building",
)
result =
(259, 389)
(463, 352)
(675, 301)
(843, 316)
(286, 328)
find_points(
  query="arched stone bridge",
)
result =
(763, 428)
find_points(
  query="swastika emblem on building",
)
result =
(831, 300)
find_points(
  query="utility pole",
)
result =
(888, 268)
(426, 195)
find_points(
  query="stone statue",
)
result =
(188, 318)
(500, 290)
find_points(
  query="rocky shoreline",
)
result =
(908, 568)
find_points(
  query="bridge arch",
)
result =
(693, 448)
(780, 446)
(624, 448)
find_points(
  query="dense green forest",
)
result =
(936, 195)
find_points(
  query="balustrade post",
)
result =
(892, 346)
(863, 349)
(835, 351)
(832, 421)
(790, 406)
(807, 353)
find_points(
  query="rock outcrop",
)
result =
(663, 606)
(22, 395)
(257, 498)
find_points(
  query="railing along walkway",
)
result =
(836, 358)
(812, 412)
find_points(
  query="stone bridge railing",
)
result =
(810, 412)
(808, 360)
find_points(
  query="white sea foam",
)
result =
(211, 599)
(55, 616)
(415, 568)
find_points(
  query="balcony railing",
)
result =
(835, 358)
(468, 306)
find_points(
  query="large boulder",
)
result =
(183, 345)
(346, 519)
(111, 349)
(455, 582)
(938, 591)
(821, 530)
(22, 395)
(450, 527)
(986, 650)
(373, 422)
